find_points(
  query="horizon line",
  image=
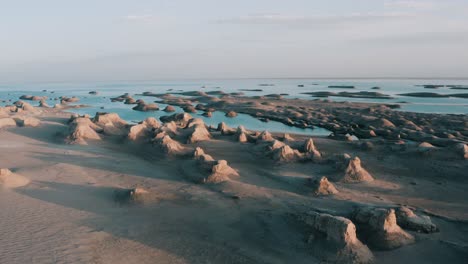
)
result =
(247, 78)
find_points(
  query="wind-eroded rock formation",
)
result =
(322, 186)
(334, 239)
(380, 229)
(407, 219)
(81, 128)
(353, 170)
(144, 129)
(8, 179)
(214, 171)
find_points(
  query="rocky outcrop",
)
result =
(225, 129)
(425, 148)
(120, 98)
(169, 109)
(213, 171)
(221, 172)
(310, 150)
(111, 124)
(144, 107)
(287, 138)
(381, 123)
(355, 172)
(171, 147)
(199, 154)
(407, 219)
(379, 228)
(181, 119)
(81, 129)
(231, 114)
(23, 106)
(66, 100)
(130, 100)
(27, 121)
(242, 138)
(198, 131)
(9, 179)
(43, 104)
(242, 135)
(7, 122)
(334, 239)
(265, 136)
(170, 129)
(462, 149)
(322, 186)
(33, 98)
(129, 196)
(286, 154)
(189, 109)
(144, 129)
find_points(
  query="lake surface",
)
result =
(293, 87)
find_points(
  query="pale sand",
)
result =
(67, 214)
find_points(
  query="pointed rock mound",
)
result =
(225, 129)
(171, 147)
(212, 171)
(286, 154)
(242, 138)
(81, 129)
(265, 136)
(198, 131)
(322, 187)
(310, 150)
(221, 172)
(380, 229)
(43, 104)
(199, 154)
(356, 173)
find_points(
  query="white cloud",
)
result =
(141, 18)
(410, 4)
(311, 20)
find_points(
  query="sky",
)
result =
(91, 40)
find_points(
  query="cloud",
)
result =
(141, 18)
(423, 38)
(311, 20)
(410, 4)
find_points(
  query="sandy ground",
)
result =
(67, 213)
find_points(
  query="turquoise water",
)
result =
(289, 86)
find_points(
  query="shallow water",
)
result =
(275, 86)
